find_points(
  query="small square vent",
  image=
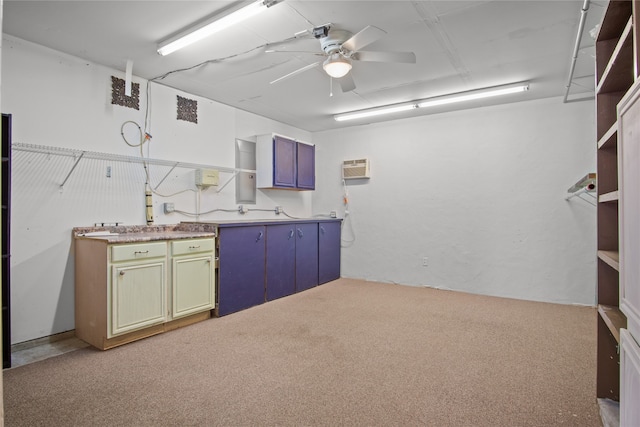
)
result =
(355, 169)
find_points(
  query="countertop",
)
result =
(183, 230)
(145, 233)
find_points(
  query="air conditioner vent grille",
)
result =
(355, 169)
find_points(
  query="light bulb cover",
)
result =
(337, 65)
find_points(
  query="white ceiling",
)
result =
(459, 45)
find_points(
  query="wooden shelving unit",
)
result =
(616, 71)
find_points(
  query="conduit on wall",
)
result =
(576, 48)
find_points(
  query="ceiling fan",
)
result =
(340, 48)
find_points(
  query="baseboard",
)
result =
(43, 340)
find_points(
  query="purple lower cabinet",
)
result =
(241, 274)
(306, 255)
(329, 251)
(281, 261)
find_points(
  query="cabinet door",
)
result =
(306, 256)
(328, 251)
(241, 269)
(281, 260)
(284, 162)
(193, 285)
(306, 161)
(137, 296)
(629, 206)
(629, 380)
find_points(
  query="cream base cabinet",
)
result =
(193, 276)
(137, 297)
(138, 287)
(128, 291)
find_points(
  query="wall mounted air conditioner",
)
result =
(355, 169)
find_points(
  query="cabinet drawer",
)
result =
(138, 251)
(192, 246)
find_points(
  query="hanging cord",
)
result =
(347, 217)
(225, 58)
(143, 137)
(146, 136)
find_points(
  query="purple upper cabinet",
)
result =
(306, 174)
(285, 163)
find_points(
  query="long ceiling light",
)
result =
(209, 27)
(433, 102)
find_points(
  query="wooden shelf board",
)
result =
(613, 318)
(607, 139)
(612, 258)
(616, 14)
(618, 75)
(612, 196)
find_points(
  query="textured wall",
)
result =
(62, 101)
(480, 193)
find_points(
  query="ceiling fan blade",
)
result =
(298, 71)
(363, 38)
(405, 57)
(346, 83)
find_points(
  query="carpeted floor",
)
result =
(348, 353)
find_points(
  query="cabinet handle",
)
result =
(140, 252)
(194, 247)
(322, 229)
(300, 233)
(291, 234)
(259, 237)
(122, 273)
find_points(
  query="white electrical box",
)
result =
(355, 169)
(206, 177)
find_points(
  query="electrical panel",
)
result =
(206, 177)
(355, 169)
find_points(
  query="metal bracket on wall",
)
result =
(584, 186)
(72, 169)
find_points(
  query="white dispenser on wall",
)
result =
(207, 177)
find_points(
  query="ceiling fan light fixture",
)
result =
(337, 65)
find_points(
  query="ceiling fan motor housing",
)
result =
(333, 41)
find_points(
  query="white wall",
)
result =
(62, 101)
(480, 193)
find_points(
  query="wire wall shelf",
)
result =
(78, 155)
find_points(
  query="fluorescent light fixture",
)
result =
(470, 96)
(337, 66)
(374, 112)
(433, 102)
(210, 27)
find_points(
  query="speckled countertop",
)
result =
(145, 233)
